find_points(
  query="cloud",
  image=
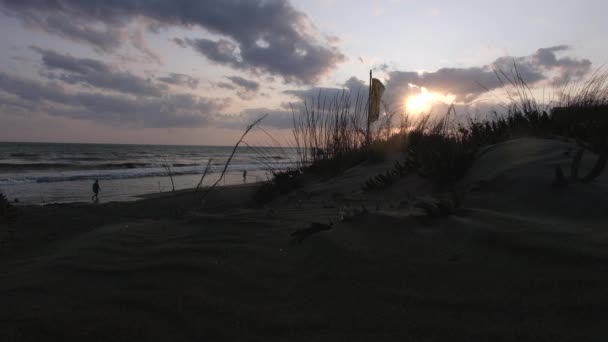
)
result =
(182, 80)
(106, 40)
(226, 85)
(568, 68)
(353, 93)
(467, 84)
(245, 83)
(277, 118)
(137, 39)
(169, 110)
(259, 36)
(245, 89)
(97, 74)
(353, 88)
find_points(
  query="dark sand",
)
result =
(519, 261)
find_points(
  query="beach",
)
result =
(515, 258)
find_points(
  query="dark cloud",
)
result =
(568, 68)
(171, 110)
(107, 39)
(261, 36)
(226, 85)
(467, 84)
(245, 89)
(96, 74)
(245, 83)
(180, 80)
(222, 51)
(180, 42)
(353, 87)
(304, 64)
(55, 60)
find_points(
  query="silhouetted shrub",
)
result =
(281, 183)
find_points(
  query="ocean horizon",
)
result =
(39, 173)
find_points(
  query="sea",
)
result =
(42, 173)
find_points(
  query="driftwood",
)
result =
(598, 167)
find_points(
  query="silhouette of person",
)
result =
(244, 176)
(95, 191)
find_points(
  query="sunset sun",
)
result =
(423, 102)
(420, 103)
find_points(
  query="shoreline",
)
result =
(117, 190)
(146, 196)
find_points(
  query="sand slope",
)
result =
(520, 260)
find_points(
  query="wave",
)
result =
(24, 155)
(31, 166)
(186, 164)
(83, 158)
(128, 173)
(65, 166)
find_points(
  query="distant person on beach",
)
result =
(244, 176)
(95, 197)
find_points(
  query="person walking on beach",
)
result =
(244, 176)
(95, 197)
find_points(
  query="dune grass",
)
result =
(234, 149)
(330, 133)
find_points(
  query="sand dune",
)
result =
(519, 260)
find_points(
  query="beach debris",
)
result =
(561, 180)
(315, 227)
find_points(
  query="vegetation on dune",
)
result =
(330, 134)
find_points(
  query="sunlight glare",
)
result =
(423, 101)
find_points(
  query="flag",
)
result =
(376, 91)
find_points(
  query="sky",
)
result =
(198, 71)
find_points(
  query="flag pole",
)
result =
(369, 109)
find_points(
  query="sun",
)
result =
(420, 103)
(423, 101)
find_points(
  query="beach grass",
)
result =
(330, 133)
